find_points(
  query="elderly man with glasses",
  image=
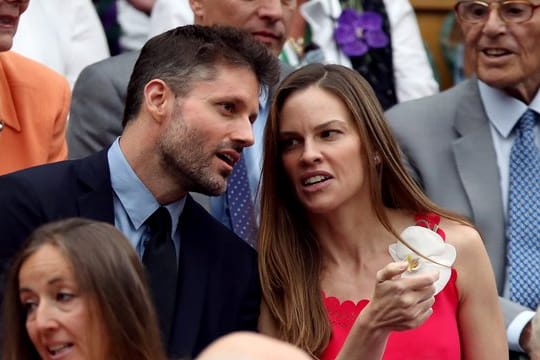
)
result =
(475, 149)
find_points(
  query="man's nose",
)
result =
(494, 24)
(244, 133)
(271, 9)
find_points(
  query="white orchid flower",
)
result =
(432, 246)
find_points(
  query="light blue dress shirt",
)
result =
(134, 203)
(504, 112)
(219, 206)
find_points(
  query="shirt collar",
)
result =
(503, 110)
(137, 200)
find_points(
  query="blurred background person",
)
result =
(34, 102)
(338, 280)
(125, 22)
(65, 35)
(251, 346)
(167, 14)
(379, 39)
(78, 290)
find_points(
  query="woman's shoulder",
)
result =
(468, 244)
(460, 235)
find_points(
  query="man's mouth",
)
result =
(8, 21)
(495, 52)
(227, 158)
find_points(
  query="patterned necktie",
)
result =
(159, 259)
(523, 231)
(240, 204)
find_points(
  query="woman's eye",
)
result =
(64, 296)
(288, 143)
(29, 306)
(329, 133)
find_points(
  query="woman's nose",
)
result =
(310, 152)
(45, 318)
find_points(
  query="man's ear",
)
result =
(197, 6)
(157, 99)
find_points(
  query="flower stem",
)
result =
(353, 4)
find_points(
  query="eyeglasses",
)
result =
(511, 11)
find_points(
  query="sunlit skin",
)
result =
(191, 143)
(59, 320)
(505, 55)
(321, 151)
(9, 20)
(267, 20)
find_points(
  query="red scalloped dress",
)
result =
(435, 339)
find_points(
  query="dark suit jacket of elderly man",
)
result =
(446, 139)
(218, 288)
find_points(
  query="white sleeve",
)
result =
(86, 42)
(67, 40)
(168, 14)
(412, 71)
(513, 331)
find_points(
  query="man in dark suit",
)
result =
(187, 119)
(458, 144)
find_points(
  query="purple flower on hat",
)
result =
(357, 32)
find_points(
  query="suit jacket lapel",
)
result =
(192, 279)
(95, 200)
(476, 162)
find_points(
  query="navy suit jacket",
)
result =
(218, 289)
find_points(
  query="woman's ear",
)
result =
(377, 158)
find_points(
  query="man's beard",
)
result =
(183, 157)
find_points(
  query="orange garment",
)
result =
(34, 104)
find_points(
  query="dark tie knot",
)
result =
(159, 222)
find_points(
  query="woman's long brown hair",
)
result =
(289, 254)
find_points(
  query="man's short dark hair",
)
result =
(191, 53)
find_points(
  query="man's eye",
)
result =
(228, 107)
(514, 10)
(477, 11)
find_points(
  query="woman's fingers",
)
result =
(391, 270)
(402, 303)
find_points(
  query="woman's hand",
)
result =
(399, 303)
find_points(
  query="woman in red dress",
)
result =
(355, 262)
